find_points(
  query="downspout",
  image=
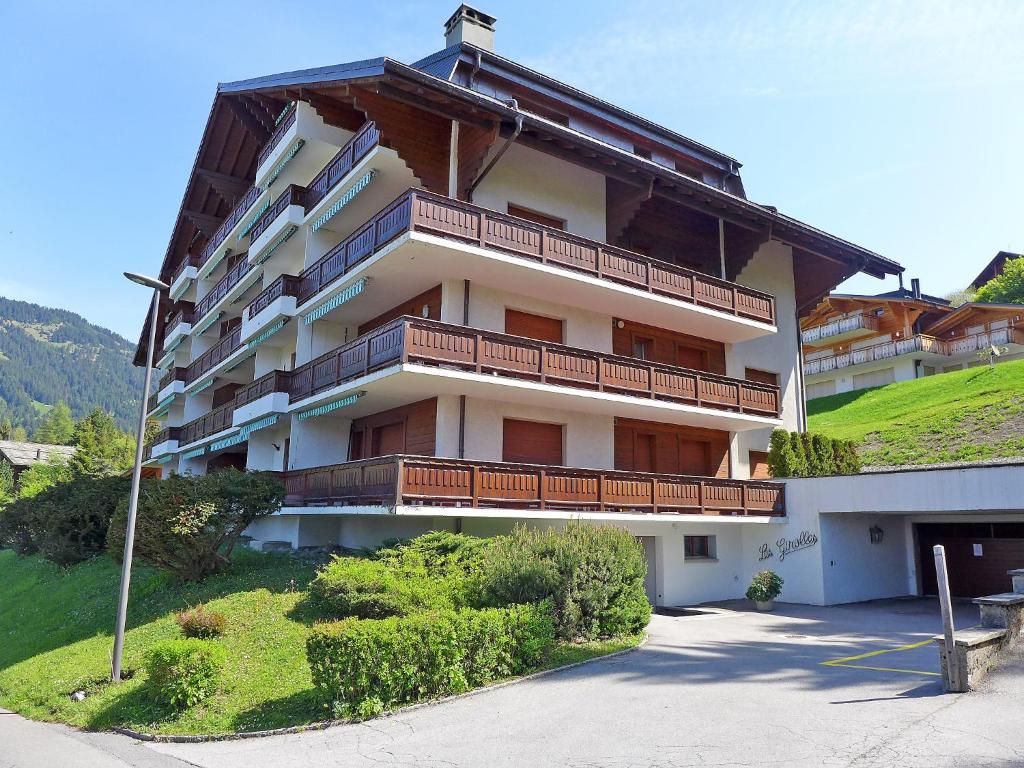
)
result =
(504, 148)
(721, 244)
(801, 414)
(477, 63)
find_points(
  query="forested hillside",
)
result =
(48, 355)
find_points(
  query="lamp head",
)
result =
(149, 282)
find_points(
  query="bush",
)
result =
(66, 523)
(442, 553)
(202, 623)
(184, 672)
(593, 575)
(376, 589)
(765, 586)
(188, 525)
(792, 454)
(362, 667)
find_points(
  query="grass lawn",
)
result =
(55, 638)
(960, 416)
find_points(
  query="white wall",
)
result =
(903, 370)
(543, 183)
(853, 568)
(318, 442)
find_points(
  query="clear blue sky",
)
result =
(899, 126)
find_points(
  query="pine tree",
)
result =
(6, 483)
(6, 428)
(103, 449)
(780, 454)
(824, 454)
(19, 435)
(799, 466)
(57, 428)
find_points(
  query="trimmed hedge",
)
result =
(184, 672)
(376, 589)
(365, 666)
(794, 454)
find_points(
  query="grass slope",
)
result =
(55, 638)
(960, 416)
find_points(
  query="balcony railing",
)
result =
(275, 381)
(220, 235)
(354, 150)
(214, 356)
(285, 285)
(881, 351)
(278, 134)
(979, 341)
(292, 195)
(222, 288)
(419, 480)
(432, 343)
(174, 374)
(190, 260)
(179, 317)
(208, 424)
(421, 211)
(839, 326)
(169, 433)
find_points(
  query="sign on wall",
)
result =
(786, 546)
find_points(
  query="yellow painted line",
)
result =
(887, 669)
(843, 662)
(877, 653)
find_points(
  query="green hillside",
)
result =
(960, 416)
(47, 355)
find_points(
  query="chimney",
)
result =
(915, 288)
(468, 25)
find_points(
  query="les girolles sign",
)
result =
(787, 546)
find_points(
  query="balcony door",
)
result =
(533, 326)
(532, 442)
(664, 448)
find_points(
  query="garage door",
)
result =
(978, 555)
(821, 389)
(874, 378)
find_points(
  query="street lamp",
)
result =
(133, 501)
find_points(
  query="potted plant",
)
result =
(763, 589)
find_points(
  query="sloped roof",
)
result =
(993, 268)
(22, 454)
(972, 309)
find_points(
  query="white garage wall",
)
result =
(854, 569)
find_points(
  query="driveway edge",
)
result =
(325, 724)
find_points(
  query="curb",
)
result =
(325, 724)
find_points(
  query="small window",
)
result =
(537, 217)
(643, 348)
(699, 547)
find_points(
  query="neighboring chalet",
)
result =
(993, 269)
(458, 294)
(854, 342)
(21, 455)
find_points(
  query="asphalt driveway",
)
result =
(802, 686)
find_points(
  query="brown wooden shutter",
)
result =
(531, 442)
(533, 326)
(762, 377)
(536, 217)
(759, 466)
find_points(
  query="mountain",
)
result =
(47, 355)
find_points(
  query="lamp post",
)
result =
(133, 501)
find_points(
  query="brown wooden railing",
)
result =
(390, 480)
(420, 211)
(222, 288)
(354, 150)
(208, 424)
(275, 381)
(181, 316)
(174, 374)
(168, 433)
(429, 342)
(220, 235)
(285, 285)
(278, 134)
(292, 195)
(214, 356)
(190, 260)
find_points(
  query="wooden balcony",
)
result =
(428, 213)
(275, 138)
(206, 425)
(980, 341)
(222, 288)
(432, 343)
(348, 156)
(163, 436)
(875, 352)
(840, 329)
(191, 260)
(214, 356)
(275, 381)
(285, 285)
(292, 195)
(174, 374)
(418, 480)
(230, 222)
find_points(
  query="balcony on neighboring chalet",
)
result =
(427, 485)
(422, 237)
(399, 361)
(847, 328)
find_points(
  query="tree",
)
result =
(6, 428)
(57, 428)
(960, 297)
(103, 448)
(19, 434)
(43, 475)
(1007, 288)
(6, 483)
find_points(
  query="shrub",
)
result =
(365, 666)
(442, 553)
(201, 622)
(184, 672)
(376, 589)
(765, 586)
(792, 454)
(66, 523)
(823, 450)
(188, 525)
(593, 575)
(799, 467)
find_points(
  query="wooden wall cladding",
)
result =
(647, 446)
(670, 348)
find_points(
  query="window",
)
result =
(642, 348)
(699, 547)
(762, 377)
(536, 216)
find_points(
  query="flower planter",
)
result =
(764, 605)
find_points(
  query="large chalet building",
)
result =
(458, 294)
